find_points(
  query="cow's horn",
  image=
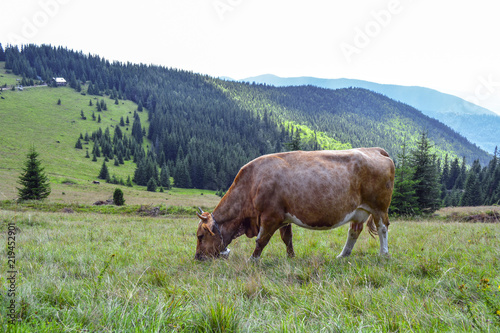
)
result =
(201, 210)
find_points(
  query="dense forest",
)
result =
(424, 183)
(202, 130)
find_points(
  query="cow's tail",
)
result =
(372, 228)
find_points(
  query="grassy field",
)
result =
(126, 273)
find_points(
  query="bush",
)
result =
(118, 197)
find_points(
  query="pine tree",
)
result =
(165, 177)
(2, 53)
(118, 197)
(472, 191)
(427, 188)
(104, 173)
(137, 130)
(129, 181)
(78, 144)
(404, 200)
(34, 182)
(151, 187)
(295, 144)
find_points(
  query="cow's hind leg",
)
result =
(382, 222)
(355, 229)
(286, 236)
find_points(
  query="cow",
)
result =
(316, 190)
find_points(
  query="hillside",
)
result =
(30, 117)
(200, 129)
(477, 124)
(356, 116)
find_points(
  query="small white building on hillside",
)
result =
(60, 81)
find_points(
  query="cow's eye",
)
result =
(200, 237)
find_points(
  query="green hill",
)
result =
(200, 128)
(33, 117)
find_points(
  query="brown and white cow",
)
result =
(313, 189)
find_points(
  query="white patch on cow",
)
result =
(382, 235)
(289, 218)
(349, 245)
(349, 217)
(225, 253)
(259, 234)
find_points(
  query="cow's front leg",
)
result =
(286, 236)
(266, 231)
(355, 229)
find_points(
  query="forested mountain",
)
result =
(354, 115)
(202, 129)
(477, 124)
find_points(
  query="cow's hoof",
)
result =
(385, 255)
(343, 255)
(253, 260)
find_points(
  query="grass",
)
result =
(94, 272)
(6, 77)
(32, 117)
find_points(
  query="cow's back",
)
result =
(320, 187)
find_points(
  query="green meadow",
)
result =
(90, 272)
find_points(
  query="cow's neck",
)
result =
(229, 216)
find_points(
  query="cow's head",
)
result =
(210, 242)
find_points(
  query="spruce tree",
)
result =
(165, 177)
(34, 182)
(2, 53)
(427, 188)
(104, 173)
(472, 191)
(404, 198)
(295, 144)
(151, 187)
(118, 197)
(78, 144)
(129, 181)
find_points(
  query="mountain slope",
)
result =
(358, 116)
(204, 129)
(478, 124)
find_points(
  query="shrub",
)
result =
(118, 197)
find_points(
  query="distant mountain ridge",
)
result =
(476, 123)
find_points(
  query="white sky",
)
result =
(449, 45)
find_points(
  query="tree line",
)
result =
(424, 183)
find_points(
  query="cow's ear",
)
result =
(207, 228)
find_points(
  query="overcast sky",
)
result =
(449, 45)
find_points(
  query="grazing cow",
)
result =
(313, 189)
